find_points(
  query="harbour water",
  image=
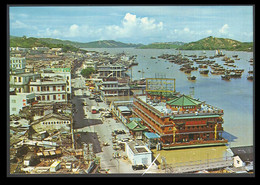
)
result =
(235, 97)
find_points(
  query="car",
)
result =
(98, 100)
(139, 167)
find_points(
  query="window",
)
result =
(63, 88)
(54, 97)
(48, 88)
(19, 79)
(38, 88)
(48, 97)
(63, 96)
(15, 79)
(43, 98)
(13, 101)
(54, 88)
(31, 89)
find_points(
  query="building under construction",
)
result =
(179, 120)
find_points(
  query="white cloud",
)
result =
(133, 26)
(186, 34)
(186, 30)
(74, 31)
(224, 29)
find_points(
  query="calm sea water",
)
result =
(235, 97)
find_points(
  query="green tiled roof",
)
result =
(136, 126)
(183, 100)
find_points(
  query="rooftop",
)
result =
(138, 147)
(183, 100)
(160, 108)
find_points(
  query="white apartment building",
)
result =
(17, 63)
(49, 89)
(20, 100)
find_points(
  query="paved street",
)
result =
(89, 128)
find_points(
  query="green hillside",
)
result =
(213, 43)
(107, 44)
(30, 42)
(49, 42)
(162, 45)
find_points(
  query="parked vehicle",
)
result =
(139, 167)
(93, 110)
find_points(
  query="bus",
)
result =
(93, 110)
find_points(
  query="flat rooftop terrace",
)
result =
(160, 108)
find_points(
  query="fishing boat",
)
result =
(153, 57)
(225, 77)
(219, 53)
(250, 77)
(203, 66)
(187, 71)
(235, 75)
(205, 72)
(191, 77)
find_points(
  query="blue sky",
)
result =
(133, 24)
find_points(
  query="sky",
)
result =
(132, 24)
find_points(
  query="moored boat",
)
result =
(225, 77)
(191, 77)
(250, 77)
(205, 72)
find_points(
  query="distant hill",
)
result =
(162, 45)
(209, 43)
(213, 43)
(108, 44)
(30, 42)
(49, 42)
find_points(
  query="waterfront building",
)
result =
(138, 153)
(108, 70)
(181, 121)
(113, 88)
(136, 129)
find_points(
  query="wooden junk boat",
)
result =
(191, 77)
(205, 72)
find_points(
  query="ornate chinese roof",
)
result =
(183, 100)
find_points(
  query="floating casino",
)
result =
(180, 120)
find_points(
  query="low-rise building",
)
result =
(138, 153)
(52, 121)
(20, 82)
(49, 89)
(20, 100)
(17, 63)
(105, 71)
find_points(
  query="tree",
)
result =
(87, 72)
